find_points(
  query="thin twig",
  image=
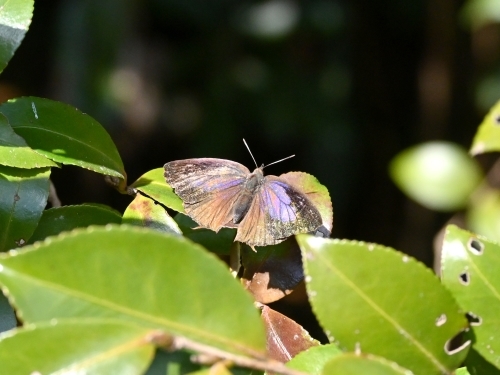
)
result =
(53, 198)
(168, 342)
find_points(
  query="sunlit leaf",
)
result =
(374, 299)
(483, 214)
(23, 197)
(15, 152)
(153, 184)
(15, 19)
(475, 364)
(487, 138)
(59, 219)
(144, 212)
(76, 347)
(64, 134)
(313, 359)
(141, 275)
(470, 267)
(438, 175)
(356, 364)
(316, 192)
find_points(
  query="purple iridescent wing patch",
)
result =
(221, 193)
(277, 212)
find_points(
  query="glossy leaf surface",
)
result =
(153, 184)
(15, 19)
(144, 212)
(487, 138)
(15, 152)
(64, 134)
(438, 175)
(151, 278)
(76, 347)
(23, 197)
(60, 219)
(470, 267)
(402, 312)
(355, 364)
(314, 359)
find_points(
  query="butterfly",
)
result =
(221, 193)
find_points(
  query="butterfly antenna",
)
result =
(274, 162)
(248, 148)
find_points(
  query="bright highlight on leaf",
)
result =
(487, 138)
(64, 134)
(15, 152)
(81, 346)
(470, 267)
(376, 300)
(140, 275)
(154, 186)
(438, 175)
(15, 19)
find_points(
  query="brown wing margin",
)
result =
(277, 212)
(208, 187)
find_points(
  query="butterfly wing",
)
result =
(208, 187)
(278, 211)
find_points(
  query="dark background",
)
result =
(344, 85)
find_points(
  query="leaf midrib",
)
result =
(382, 312)
(163, 323)
(113, 162)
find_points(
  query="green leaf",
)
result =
(60, 219)
(172, 363)
(76, 347)
(62, 133)
(313, 359)
(377, 300)
(153, 185)
(219, 242)
(23, 197)
(142, 275)
(356, 364)
(15, 19)
(476, 365)
(470, 271)
(438, 175)
(462, 371)
(144, 212)
(316, 192)
(483, 214)
(15, 152)
(487, 138)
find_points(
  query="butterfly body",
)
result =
(221, 193)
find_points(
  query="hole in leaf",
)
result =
(464, 278)
(441, 320)
(474, 320)
(475, 246)
(456, 344)
(497, 119)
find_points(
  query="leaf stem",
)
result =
(171, 343)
